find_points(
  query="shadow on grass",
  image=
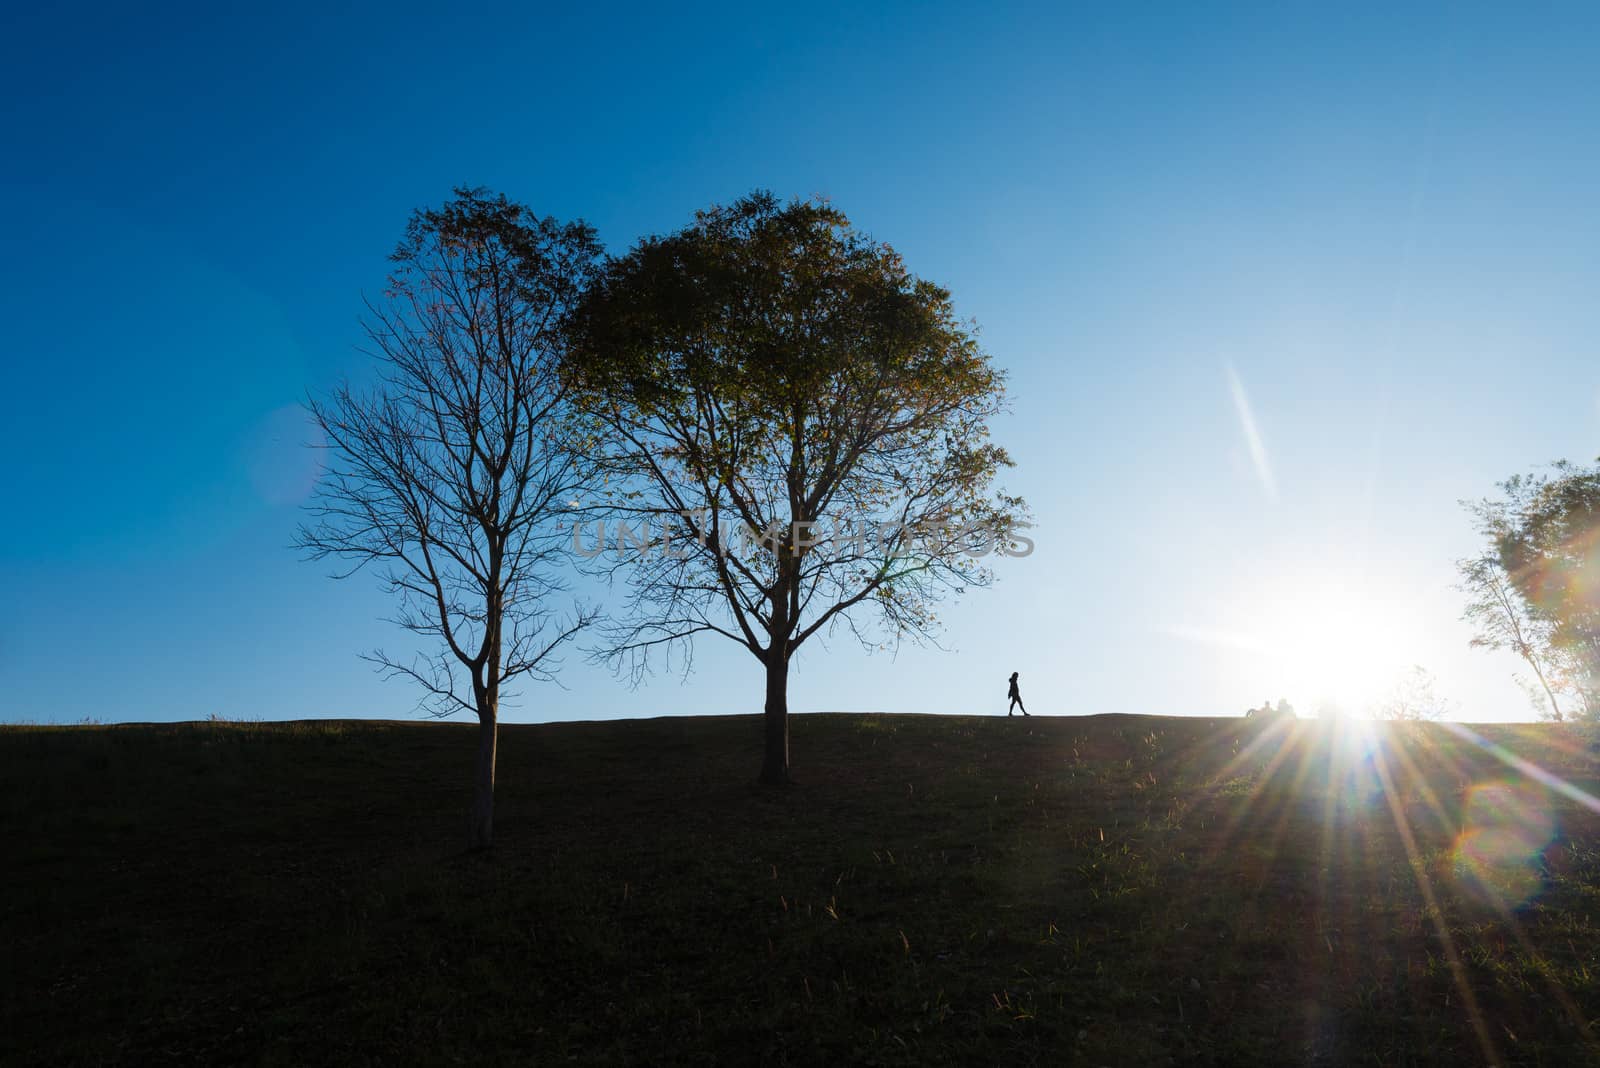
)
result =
(1114, 889)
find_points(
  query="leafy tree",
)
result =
(451, 473)
(1536, 589)
(1501, 621)
(802, 427)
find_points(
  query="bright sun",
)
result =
(1319, 642)
(1336, 645)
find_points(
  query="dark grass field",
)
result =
(1110, 890)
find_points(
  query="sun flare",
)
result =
(1326, 644)
(1339, 648)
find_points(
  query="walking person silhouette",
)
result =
(1016, 697)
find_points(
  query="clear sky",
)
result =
(1275, 287)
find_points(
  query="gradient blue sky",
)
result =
(1370, 234)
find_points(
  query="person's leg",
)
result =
(1011, 709)
(1022, 706)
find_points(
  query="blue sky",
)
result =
(1369, 234)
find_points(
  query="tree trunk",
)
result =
(775, 761)
(482, 829)
(1555, 709)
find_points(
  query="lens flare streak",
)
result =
(1527, 767)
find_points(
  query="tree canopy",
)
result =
(801, 425)
(1536, 587)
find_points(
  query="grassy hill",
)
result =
(1110, 890)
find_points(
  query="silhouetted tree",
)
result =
(451, 472)
(1534, 589)
(802, 427)
(1501, 621)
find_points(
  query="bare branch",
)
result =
(454, 469)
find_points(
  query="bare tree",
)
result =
(452, 473)
(1414, 697)
(797, 430)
